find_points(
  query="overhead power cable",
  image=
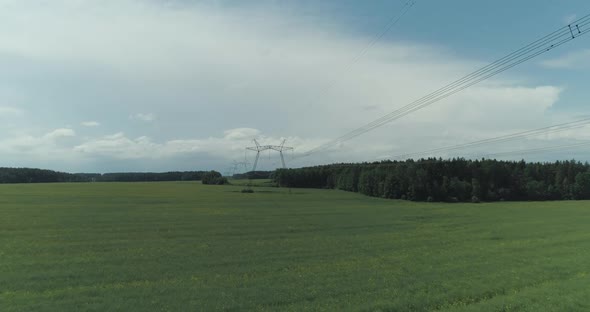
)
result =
(501, 139)
(537, 150)
(394, 20)
(532, 50)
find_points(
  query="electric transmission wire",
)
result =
(532, 50)
(535, 150)
(511, 153)
(390, 24)
(501, 139)
(476, 77)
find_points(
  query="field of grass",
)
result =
(189, 247)
(253, 183)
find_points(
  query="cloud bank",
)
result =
(200, 81)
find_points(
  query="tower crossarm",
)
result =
(261, 148)
(280, 148)
(258, 148)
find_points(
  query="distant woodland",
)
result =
(28, 175)
(454, 180)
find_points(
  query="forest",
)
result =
(453, 180)
(30, 175)
(33, 175)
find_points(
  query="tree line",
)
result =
(254, 175)
(33, 175)
(30, 175)
(453, 180)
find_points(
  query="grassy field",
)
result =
(189, 247)
(253, 183)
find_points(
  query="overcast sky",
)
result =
(154, 85)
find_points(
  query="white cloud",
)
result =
(572, 60)
(241, 133)
(260, 69)
(570, 19)
(7, 110)
(90, 123)
(60, 133)
(47, 147)
(147, 117)
(119, 146)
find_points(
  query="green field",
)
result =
(189, 247)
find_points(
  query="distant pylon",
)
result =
(261, 148)
(282, 148)
(236, 166)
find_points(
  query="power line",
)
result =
(439, 95)
(534, 49)
(501, 139)
(390, 24)
(538, 150)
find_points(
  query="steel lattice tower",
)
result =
(261, 148)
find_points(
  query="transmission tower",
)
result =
(281, 148)
(237, 167)
(261, 148)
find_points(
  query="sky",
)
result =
(155, 85)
